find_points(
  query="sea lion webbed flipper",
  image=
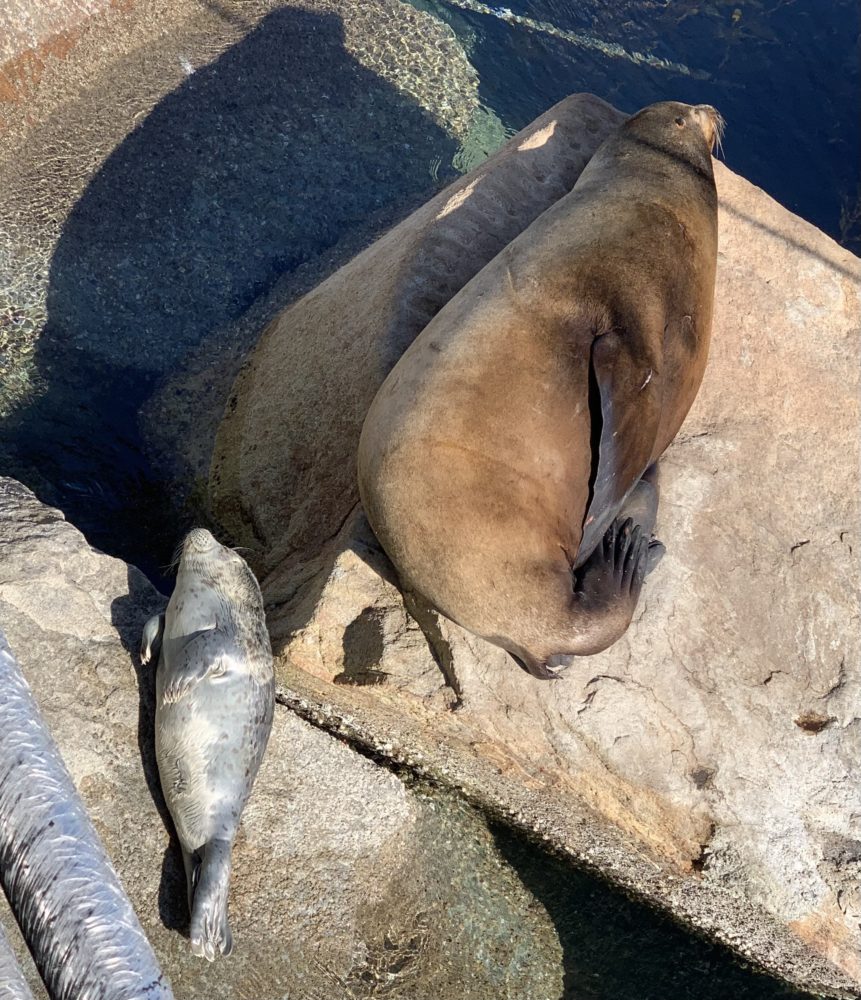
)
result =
(603, 598)
(625, 407)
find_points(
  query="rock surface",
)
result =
(283, 475)
(345, 882)
(709, 760)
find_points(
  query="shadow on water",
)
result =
(258, 162)
(129, 614)
(617, 949)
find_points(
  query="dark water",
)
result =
(784, 74)
(614, 948)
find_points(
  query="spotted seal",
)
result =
(215, 697)
(507, 462)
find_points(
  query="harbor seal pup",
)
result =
(215, 697)
(506, 464)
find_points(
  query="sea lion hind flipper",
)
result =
(151, 639)
(641, 505)
(611, 578)
(654, 554)
(625, 408)
(605, 592)
(209, 931)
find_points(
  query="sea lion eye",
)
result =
(679, 121)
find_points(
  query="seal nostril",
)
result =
(200, 539)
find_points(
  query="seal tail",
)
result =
(209, 929)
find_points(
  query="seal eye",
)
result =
(680, 122)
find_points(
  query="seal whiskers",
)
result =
(215, 698)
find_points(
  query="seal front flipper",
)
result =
(204, 654)
(625, 409)
(153, 632)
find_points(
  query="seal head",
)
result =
(215, 696)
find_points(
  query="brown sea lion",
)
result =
(283, 469)
(507, 462)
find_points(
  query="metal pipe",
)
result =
(77, 920)
(13, 986)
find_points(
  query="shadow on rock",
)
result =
(259, 161)
(614, 947)
(129, 614)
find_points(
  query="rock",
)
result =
(708, 761)
(283, 476)
(344, 880)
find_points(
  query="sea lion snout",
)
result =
(711, 123)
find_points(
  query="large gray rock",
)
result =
(344, 881)
(709, 760)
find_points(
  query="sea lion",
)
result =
(283, 473)
(505, 458)
(215, 697)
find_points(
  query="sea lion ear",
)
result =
(625, 409)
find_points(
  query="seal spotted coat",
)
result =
(215, 698)
(507, 462)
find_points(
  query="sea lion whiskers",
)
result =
(720, 129)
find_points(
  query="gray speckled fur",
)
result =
(215, 697)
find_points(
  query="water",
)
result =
(488, 893)
(784, 74)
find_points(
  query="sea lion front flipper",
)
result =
(151, 639)
(625, 404)
(609, 582)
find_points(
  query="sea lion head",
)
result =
(686, 131)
